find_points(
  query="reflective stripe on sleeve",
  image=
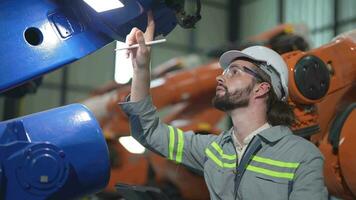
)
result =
(171, 143)
(180, 146)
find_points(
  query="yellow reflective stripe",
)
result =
(221, 152)
(270, 172)
(180, 145)
(213, 157)
(171, 143)
(275, 162)
(229, 165)
(217, 161)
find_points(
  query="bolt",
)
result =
(62, 154)
(316, 66)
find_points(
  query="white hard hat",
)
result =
(275, 66)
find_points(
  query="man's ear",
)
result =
(262, 89)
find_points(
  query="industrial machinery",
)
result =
(323, 88)
(46, 155)
(61, 153)
(45, 35)
(322, 93)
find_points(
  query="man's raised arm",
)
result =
(141, 59)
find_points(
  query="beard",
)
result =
(233, 100)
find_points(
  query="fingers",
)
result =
(136, 36)
(141, 42)
(131, 39)
(150, 30)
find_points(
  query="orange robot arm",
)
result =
(322, 89)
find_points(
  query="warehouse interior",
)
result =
(224, 24)
(219, 25)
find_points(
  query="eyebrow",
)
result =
(236, 66)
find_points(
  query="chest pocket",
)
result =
(273, 178)
(219, 170)
(259, 186)
(275, 188)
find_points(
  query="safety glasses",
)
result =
(234, 70)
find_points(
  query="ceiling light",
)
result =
(131, 145)
(104, 5)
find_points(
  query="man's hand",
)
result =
(141, 56)
(140, 87)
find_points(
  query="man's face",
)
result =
(234, 86)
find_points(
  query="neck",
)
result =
(246, 120)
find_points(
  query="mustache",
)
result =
(223, 86)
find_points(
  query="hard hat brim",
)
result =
(228, 57)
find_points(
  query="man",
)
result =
(259, 157)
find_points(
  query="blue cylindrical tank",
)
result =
(71, 132)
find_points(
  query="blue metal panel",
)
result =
(59, 153)
(39, 36)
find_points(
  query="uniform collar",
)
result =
(250, 136)
(227, 135)
(275, 133)
(269, 135)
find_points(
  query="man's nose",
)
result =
(220, 79)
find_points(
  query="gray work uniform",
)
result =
(285, 167)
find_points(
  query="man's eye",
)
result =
(234, 71)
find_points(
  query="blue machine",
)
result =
(39, 36)
(60, 153)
